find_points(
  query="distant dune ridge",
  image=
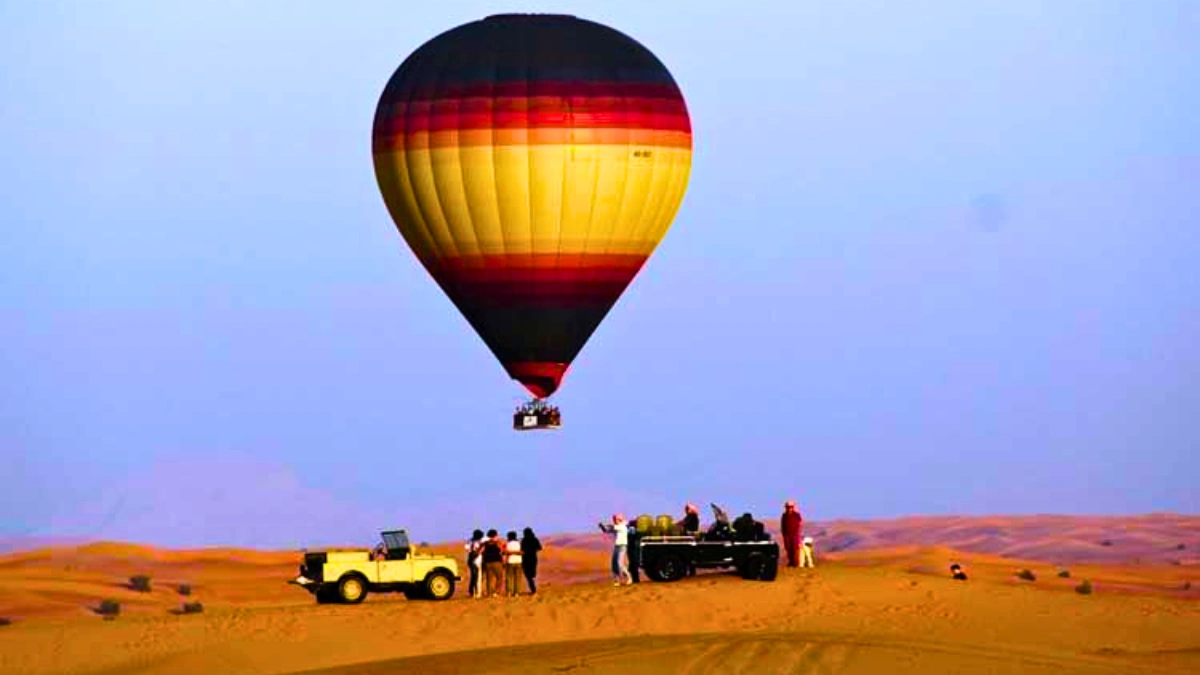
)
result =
(1153, 538)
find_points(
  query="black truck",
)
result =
(743, 545)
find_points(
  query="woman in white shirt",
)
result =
(512, 564)
(620, 532)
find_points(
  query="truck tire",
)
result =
(439, 585)
(770, 569)
(352, 589)
(670, 567)
(752, 569)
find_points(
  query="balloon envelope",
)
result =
(532, 163)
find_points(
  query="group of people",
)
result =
(496, 565)
(538, 407)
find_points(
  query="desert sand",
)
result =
(882, 603)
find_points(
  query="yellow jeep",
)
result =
(395, 566)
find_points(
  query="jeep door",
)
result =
(394, 571)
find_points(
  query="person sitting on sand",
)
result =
(957, 572)
(620, 532)
(806, 553)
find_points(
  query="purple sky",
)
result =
(934, 258)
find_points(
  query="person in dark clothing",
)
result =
(790, 523)
(957, 572)
(634, 553)
(493, 563)
(691, 527)
(474, 548)
(691, 520)
(530, 546)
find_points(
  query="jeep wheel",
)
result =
(352, 589)
(439, 586)
(670, 567)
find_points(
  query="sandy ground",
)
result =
(871, 610)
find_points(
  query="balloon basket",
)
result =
(536, 415)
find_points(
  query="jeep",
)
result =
(395, 566)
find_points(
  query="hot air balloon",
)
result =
(532, 162)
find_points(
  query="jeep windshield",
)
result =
(395, 541)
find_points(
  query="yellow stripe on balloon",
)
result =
(512, 200)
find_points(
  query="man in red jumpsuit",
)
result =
(790, 522)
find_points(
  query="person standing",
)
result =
(620, 532)
(790, 522)
(474, 549)
(512, 565)
(493, 563)
(530, 547)
(635, 553)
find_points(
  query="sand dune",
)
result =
(863, 610)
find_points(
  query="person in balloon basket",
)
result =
(790, 522)
(619, 529)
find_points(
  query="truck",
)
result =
(339, 575)
(748, 549)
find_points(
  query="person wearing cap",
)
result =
(620, 531)
(806, 553)
(790, 523)
(691, 519)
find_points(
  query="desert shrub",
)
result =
(109, 608)
(1064, 574)
(5, 622)
(185, 589)
(1180, 547)
(423, 544)
(140, 583)
(192, 608)
(1106, 542)
(1084, 588)
(1187, 585)
(1027, 575)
